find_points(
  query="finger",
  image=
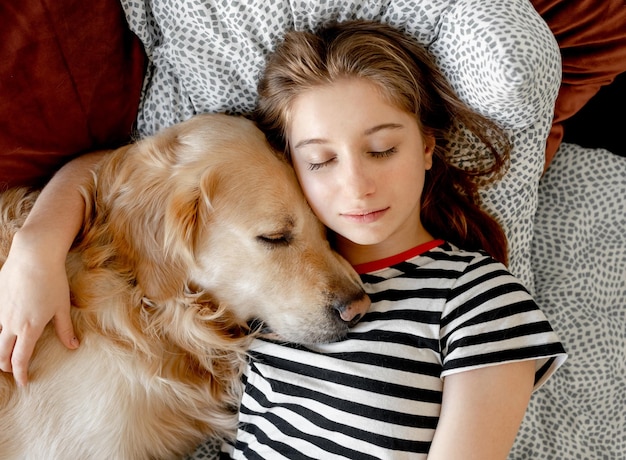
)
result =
(65, 330)
(7, 342)
(22, 352)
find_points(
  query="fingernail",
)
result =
(74, 341)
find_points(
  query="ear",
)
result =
(185, 219)
(180, 224)
(163, 272)
(429, 149)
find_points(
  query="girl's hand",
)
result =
(33, 290)
(33, 282)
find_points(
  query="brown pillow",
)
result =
(70, 79)
(592, 38)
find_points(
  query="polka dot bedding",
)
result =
(579, 261)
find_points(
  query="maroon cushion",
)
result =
(70, 80)
(592, 38)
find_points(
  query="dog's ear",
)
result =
(180, 224)
(159, 199)
(185, 216)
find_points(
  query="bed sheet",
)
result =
(579, 262)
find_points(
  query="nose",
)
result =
(357, 180)
(352, 311)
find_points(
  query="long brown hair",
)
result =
(407, 77)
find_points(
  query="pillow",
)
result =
(502, 59)
(592, 38)
(70, 80)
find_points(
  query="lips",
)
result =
(365, 217)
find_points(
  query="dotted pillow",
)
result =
(206, 55)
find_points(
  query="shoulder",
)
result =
(478, 272)
(491, 318)
(445, 267)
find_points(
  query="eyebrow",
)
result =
(375, 129)
(367, 132)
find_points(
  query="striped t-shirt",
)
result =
(436, 310)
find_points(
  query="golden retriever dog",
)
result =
(189, 236)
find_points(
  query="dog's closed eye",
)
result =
(273, 240)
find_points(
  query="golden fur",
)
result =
(189, 235)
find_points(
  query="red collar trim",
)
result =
(376, 265)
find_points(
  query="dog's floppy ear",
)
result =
(185, 216)
(158, 198)
(185, 212)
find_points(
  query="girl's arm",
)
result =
(481, 412)
(33, 281)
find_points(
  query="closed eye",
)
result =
(383, 153)
(316, 166)
(273, 240)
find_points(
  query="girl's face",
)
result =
(361, 163)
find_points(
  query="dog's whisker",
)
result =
(258, 326)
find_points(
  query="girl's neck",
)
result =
(358, 254)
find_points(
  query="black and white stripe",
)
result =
(378, 393)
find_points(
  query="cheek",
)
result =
(316, 194)
(310, 183)
(408, 179)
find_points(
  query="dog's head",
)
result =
(207, 206)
